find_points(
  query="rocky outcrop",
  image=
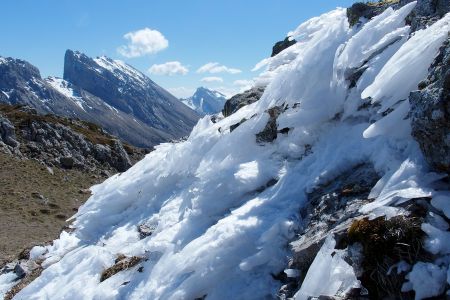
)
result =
(270, 131)
(367, 10)
(25, 271)
(424, 14)
(240, 100)
(122, 263)
(331, 209)
(281, 45)
(62, 142)
(430, 112)
(7, 133)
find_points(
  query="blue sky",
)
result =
(235, 34)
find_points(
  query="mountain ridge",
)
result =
(21, 83)
(130, 91)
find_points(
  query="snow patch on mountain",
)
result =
(6, 94)
(120, 69)
(63, 87)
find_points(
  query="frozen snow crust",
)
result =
(223, 208)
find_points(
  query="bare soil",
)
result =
(35, 204)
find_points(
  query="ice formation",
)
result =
(224, 207)
(329, 274)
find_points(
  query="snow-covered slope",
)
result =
(221, 208)
(206, 101)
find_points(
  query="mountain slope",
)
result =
(325, 158)
(116, 122)
(45, 162)
(130, 91)
(205, 101)
(21, 83)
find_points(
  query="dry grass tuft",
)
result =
(385, 243)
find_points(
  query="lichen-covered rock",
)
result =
(430, 113)
(240, 100)
(121, 160)
(101, 152)
(7, 133)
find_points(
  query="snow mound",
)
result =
(223, 207)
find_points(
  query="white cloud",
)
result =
(181, 92)
(211, 79)
(214, 67)
(227, 91)
(142, 42)
(169, 68)
(243, 82)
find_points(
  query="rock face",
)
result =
(205, 101)
(21, 83)
(270, 131)
(129, 91)
(430, 110)
(240, 100)
(424, 14)
(62, 142)
(331, 209)
(281, 45)
(7, 133)
(365, 10)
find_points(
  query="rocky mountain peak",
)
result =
(15, 68)
(205, 91)
(206, 101)
(113, 71)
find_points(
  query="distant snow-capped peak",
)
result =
(206, 101)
